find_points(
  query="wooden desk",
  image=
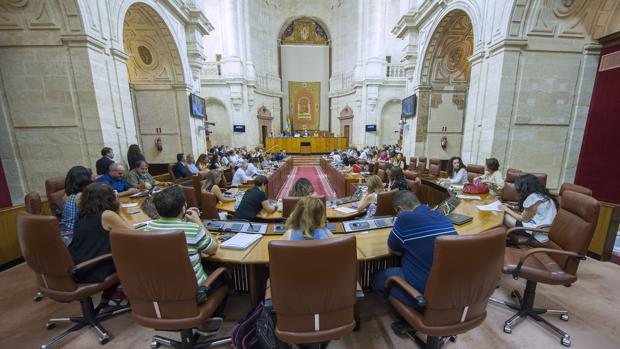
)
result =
(311, 145)
(342, 183)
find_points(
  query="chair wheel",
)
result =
(508, 329)
(564, 317)
(50, 325)
(104, 340)
(566, 341)
(452, 339)
(155, 344)
(38, 298)
(513, 294)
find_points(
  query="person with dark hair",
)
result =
(302, 187)
(202, 163)
(397, 179)
(134, 154)
(492, 176)
(536, 204)
(98, 215)
(456, 172)
(255, 200)
(103, 164)
(77, 178)
(140, 177)
(214, 164)
(116, 179)
(253, 169)
(412, 237)
(180, 170)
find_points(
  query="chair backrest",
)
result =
(435, 167)
(382, 175)
(313, 288)
(158, 278)
(208, 206)
(228, 174)
(474, 171)
(410, 174)
(46, 254)
(421, 165)
(462, 279)
(573, 228)
(289, 203)
(575, 187)
(32, 203)
(55, 192)
(385, 202)
(171, 171)
(413, 162)
(509, 192)
(413, 186)
(190, 196)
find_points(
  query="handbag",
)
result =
(475, 188)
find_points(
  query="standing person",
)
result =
(116, 179)
(369, 201)
(254, 200)
(492, 176)
(180, 170)
(307, 222)
(103, 164)
(134, 154)
(412, 237)
(240, 177)
(140, 177)
(214, 177)
(456, 172)
(191, 166)
(76, 180)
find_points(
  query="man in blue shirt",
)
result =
(116, 179)
(180, 169)
(413, 237)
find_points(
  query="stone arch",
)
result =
(221, 132)
(389, 131)
(321, 23)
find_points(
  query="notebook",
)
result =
(241, 241)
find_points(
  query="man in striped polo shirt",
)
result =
(413, 238)
(171, 207)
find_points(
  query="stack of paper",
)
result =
(469, 197)
(346, 210)
(494, 206)
(241, 241)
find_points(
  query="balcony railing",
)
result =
(212, 70)
(341, 82)
(395, 71)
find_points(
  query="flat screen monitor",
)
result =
(238, 128)
(409, 106)
(371, 128)
(197, 106)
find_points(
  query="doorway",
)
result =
(264, 135)
(347, 131)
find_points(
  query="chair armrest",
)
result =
(268, 304)
(539, 229)
(415, 294)
(73, 270)
(526, 255)
(213, 276)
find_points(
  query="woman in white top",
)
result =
(537, 205)
(492, 177)
(369, 201)
(456, 172)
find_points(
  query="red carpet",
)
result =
(314, 175)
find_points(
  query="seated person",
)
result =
(412, 236)
(240, 177)
(456, 172)
(369, 201)
(214, 164)
(254, 200)
(76, 180)
(537, 205)
(397, 179)
(210, 185)
(307, 222)
(104, 163)
(116, 179)
(396, 159)
(336, 158)
(492, 177)
(140, 177)
(191, 166)
(98, 215)
(202, 163)
(303, 187)
(180, 170)
(253, 169)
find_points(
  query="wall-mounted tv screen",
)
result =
(197, 106)
(371, 128)
(409, 106)
(238, 128)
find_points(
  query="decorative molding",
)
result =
(436, 100)
(346, 113)
(304, 31)
(459, 101)
(83, 41)
(264, 113)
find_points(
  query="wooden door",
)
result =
(263, 132)
(347, 131)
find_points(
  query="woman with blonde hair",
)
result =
(369, 201)
(211, 185)
(307, 222)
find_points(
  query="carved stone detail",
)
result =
(436, 100)
(459, 101)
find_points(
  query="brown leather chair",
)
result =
(55, 192)
(382, 175)
(228, 174)
(421, 166)
(289, 203)
(208, 206)
(474, 171)
(312, 305)
(413, 162)
(160, 283)
(414, 185)
(32, 203)
(190, 196)
(557, 263)
(46, 254)
(509, 194)
(171, 172)
(459, 285)
(572, 187)
(434, 168)
(385, 202)
(411, 175)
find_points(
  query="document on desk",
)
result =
(346, 210)
(241, 241)
(494, 206)
(129, 204)
(468, 197)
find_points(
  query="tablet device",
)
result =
(459, 219)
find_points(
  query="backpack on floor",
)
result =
(244, 333)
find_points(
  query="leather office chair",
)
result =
(509, 194)
(171, 172)
(569, 238)
(32, 203)
(457, 293)
(382, 175)
(435, 167)
(46, 254)
(55, 192)
(413, 162)
(474, 171)
(312, 305)
(421, 166)
(208, 206)
(572, 187)
(411, 175)
(385, 205)
(290, 202)
(228, 174)
(414, 185)
(190, 196)
(160, 283)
